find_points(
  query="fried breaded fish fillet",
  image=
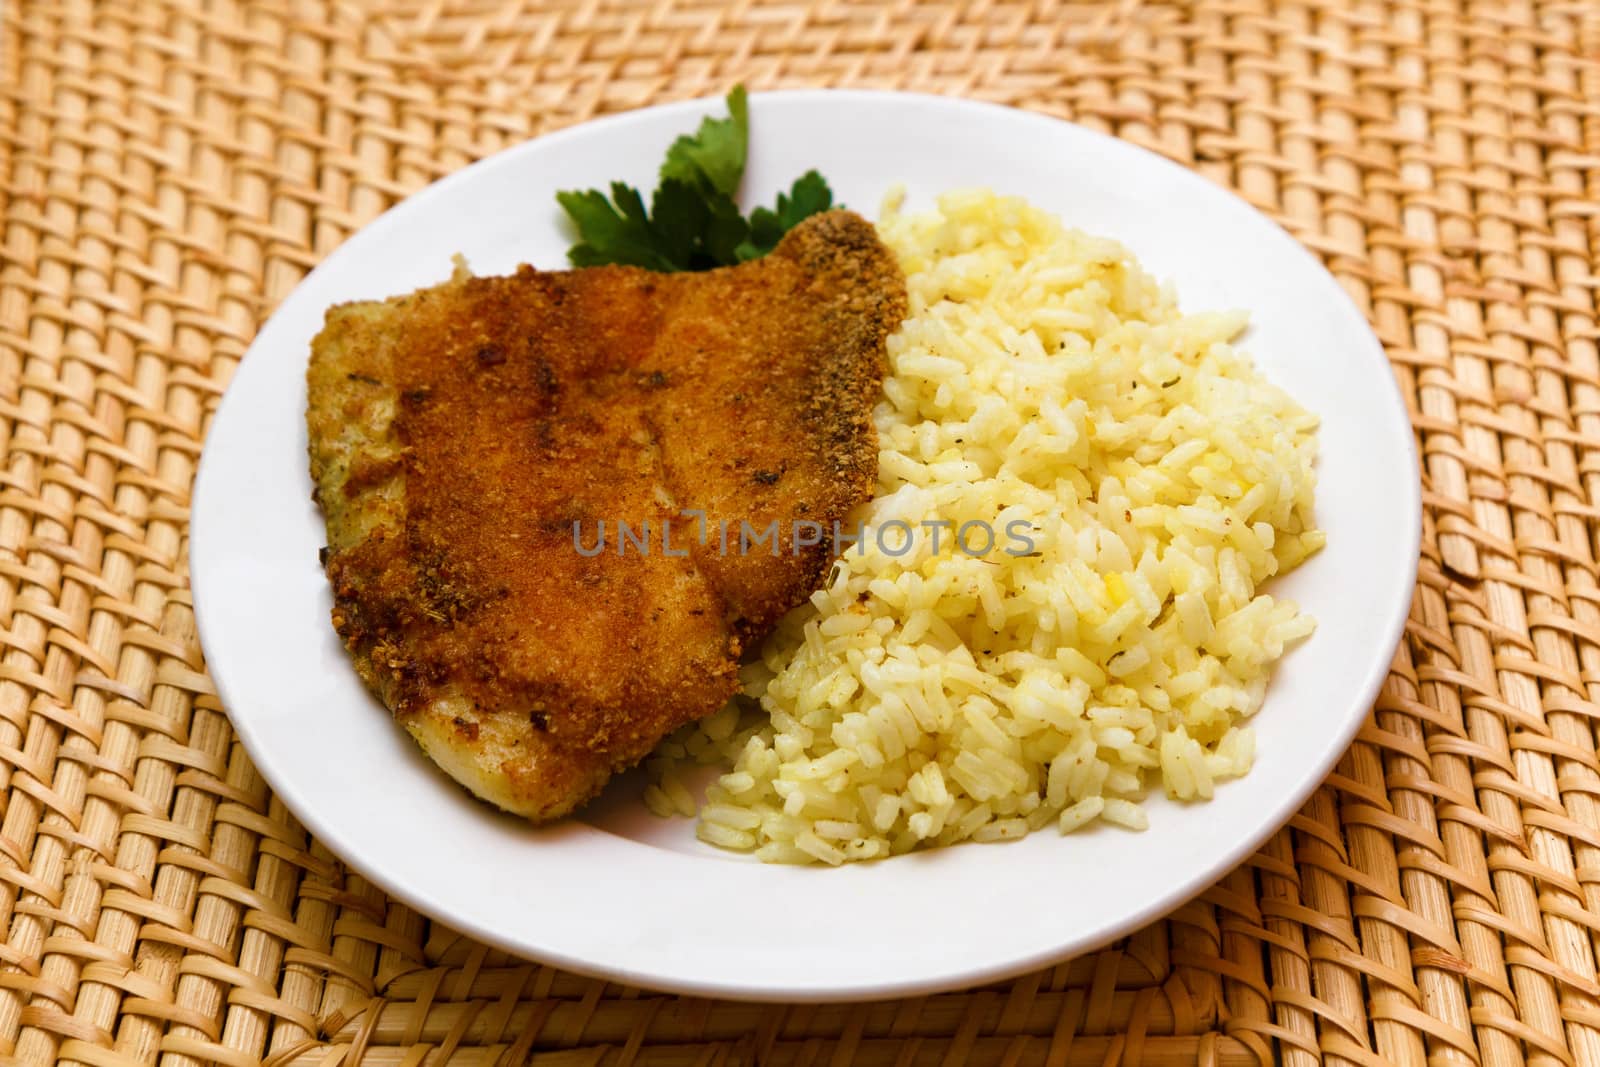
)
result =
(458, 434)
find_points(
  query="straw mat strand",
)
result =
(169, 169)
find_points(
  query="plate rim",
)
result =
(1389, 633)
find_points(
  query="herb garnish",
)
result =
(693, 222)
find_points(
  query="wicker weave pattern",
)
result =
(168, 171)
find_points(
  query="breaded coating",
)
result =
(457, 435)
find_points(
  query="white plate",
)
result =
(622, 894)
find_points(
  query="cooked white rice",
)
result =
(925, 699)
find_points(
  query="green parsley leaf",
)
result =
(714, 157)
(725, 232)
(612, 233)
(808, 196)
(678, 216)
(694, 222)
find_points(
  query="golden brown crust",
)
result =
(458, 433)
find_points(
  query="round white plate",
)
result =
(619, 893)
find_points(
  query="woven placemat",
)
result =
(169, 169)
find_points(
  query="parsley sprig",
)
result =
(693, 222)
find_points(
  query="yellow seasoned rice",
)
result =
(923, 699)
